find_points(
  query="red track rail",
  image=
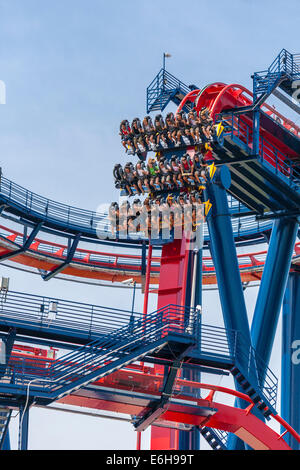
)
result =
(218, 97)
(146, 380)
(141, 380)
(116, 267)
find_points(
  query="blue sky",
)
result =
(73, 69)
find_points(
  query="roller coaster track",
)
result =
(113, 267)
(114, 393)
(265, 185)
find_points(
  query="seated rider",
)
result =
(206, 122)
(136, 130)
(113, 217)
(186, 168)
(171, 125)
(165, 172)
(198, 169)
(162, 141)
(141, 148)
(175, 172)
(126, 135)
(154, 173)
(180, 121)
(178, 140)
(130, 179)
(159, 124)
(151, 144)
(193, 123)
(142, 177)
(187, 138)
(148, 126)
(123, 218)
(125, 129)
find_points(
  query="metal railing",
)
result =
(236, 127)
(285, 65)
(162, 88)
(53, 213)
(52, 314)
(29, 203)
(118, 344)
(256, 370)
(116, 334)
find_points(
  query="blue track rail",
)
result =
(29, 206)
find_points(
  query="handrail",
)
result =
(285, 65)
(237, 128)
(53, 213)
(116, 328)
(162, 88)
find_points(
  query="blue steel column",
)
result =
(6, 443)
(290, 363)
(225, 260)
(224, 256)
(272, 286)
(23, 428)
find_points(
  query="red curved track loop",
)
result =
(241, 422)
(116, 267)
(219, 97)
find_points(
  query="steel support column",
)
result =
(225, 260)
(290, 362)
(272, 286)
(224, 256)
(23, 427)
(6, 442)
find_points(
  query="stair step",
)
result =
(262, 406)
(245, 385)
(256, 399)
(267, 413)
(240, 379)
(235, 371)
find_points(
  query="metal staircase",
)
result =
(116, 350)
(165, 335)
(217, 439)
(5, 414)
(165, 88)
(283, 71)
